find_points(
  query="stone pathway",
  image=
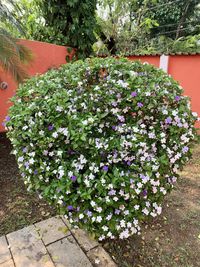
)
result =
(51, 243)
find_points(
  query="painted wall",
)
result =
(45, 56)
(185, 69)
(154, 60)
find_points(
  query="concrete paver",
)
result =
(52, 230)
(8, 263)
(52, 243)
(4, 250)
(66, 253)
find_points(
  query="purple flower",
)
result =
(117, 211)
(70, 207)
(73, 178)
(105, 168)
(112, 192)
(128, 163)
(35, 172)
(168, 120)
(89, 213)
(144, 193)
(139, 104)
(26, 164)
(24, 150)
(7, 118)
(50, 127)
(133, 94)
(114, 104)
(3, 124)
(114, 127)
(177, 98)
(185, 149)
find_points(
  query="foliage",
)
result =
(138, 23)
(103, 139)
(61, 22)
(12, 54)
(160, 45)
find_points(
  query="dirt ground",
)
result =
(173, 239)
(18, 208)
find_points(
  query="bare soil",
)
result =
(18, 208)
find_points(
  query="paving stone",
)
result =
(4, 250)
(67, 253)
(27, 248)
(52, 230)
(100, 258)
(23, 238)
(66, 221)
(84, 240)
(8, 263)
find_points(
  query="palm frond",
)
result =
(13, 55)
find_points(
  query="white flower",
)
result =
(99, 209)
(81, 216)
(31, 161)
(145, 211)
(136, 207)
(105, 228)
(99, 219)
(92, 203)
(20, 159)
(59, 109)
(60, 202)
(70, 173)
(55, 135)
(109, 217)
(59, 153)
(61, 173)
(85, 122)
(25, 128)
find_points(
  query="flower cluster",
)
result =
(103, 139)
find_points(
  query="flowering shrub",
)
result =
(102, 139)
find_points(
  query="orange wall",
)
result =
(45, 56)
(154, 60)
(186, 70)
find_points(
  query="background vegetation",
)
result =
(112, 26)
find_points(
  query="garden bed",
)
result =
(18, 207)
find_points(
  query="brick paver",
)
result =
(52, 243)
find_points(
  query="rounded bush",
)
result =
(103, 139)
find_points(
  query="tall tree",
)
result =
(74, 19)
